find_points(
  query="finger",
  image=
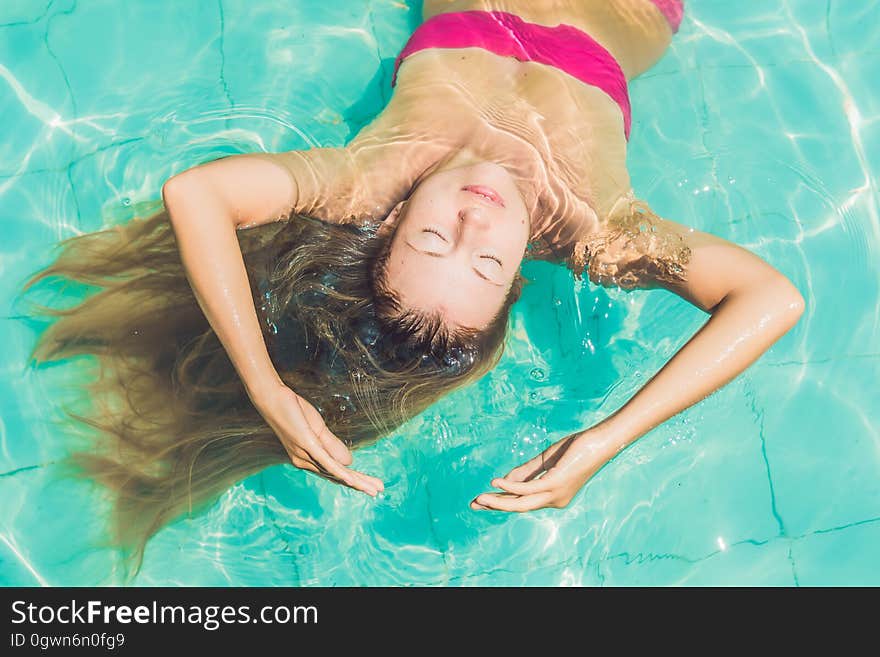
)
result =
(311, 467)
(543, 461)
(298, 455)
(331, 441)
(302, 459)
(543, 484)
(304, 464)
(528, 470)
(336, 448)
(322, 458)
(514, 503)
(358, 480)
(307, 464)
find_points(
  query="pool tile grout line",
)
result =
(73, 162)
(384, 87)
(857, 523)
(759, 418)
(33, 21)
(72, 101)
(433, 531)
(26, 468)
(274, 522)
(790, 557)
(226, 91)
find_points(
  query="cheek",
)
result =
(399, 264)
(406, 266)
(515, 245)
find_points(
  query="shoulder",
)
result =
(633, 247)
(387, 157)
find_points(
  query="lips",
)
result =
(486, 192)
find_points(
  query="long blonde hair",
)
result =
(170, 424)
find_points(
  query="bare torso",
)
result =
(563, 139)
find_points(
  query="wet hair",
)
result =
(168, 424)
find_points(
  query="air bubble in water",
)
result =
(537, 374)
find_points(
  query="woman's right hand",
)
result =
(309, 442)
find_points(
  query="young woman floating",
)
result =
(291, 306)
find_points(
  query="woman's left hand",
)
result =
(553, 478)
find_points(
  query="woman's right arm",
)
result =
(206, 205)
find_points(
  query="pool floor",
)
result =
(761, 125)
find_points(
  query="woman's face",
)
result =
(460, 239)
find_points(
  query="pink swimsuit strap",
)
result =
(564, 47)
(673, 10)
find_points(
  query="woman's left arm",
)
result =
(751, 305)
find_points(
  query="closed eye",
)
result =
(437, 233)
(491, 257)
(475, 270)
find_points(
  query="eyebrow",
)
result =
(434, 254)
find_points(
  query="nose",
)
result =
(473, 214)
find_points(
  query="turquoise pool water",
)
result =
(761, 124)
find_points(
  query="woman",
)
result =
(375, 277)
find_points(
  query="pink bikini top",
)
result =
(564, 47)
(672, 10)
